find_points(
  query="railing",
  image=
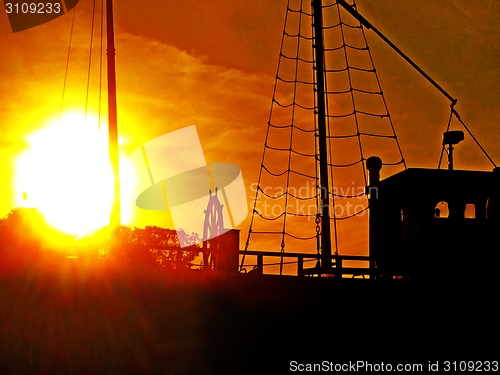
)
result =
(338, 269)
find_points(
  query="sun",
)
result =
(66, 174)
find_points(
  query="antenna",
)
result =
(450, 138)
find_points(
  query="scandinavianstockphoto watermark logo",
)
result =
(350, 200)
(172, 174)
(26, 14)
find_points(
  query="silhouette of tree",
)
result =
(25, 237)
(148, 246)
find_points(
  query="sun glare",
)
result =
(66, 175)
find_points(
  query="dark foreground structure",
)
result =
(410, 236)
(77, 319)
(430, 293)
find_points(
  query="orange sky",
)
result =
(212, 64)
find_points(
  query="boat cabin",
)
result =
(433, 223)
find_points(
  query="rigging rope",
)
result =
(350, 115)
(247, 243)
(455, 113)
(90, 62)
(67, 61)
(89, 66)
(291, 135)
(100, 66)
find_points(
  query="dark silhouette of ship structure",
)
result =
(428, 287)
(410, 237)
(428, 281)
(424, 224)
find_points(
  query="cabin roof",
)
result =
(433, 182)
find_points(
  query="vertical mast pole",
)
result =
(112, 118)
(326, 245)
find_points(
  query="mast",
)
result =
(112, 119)
(326, 246)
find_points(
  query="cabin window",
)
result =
(405, 214)
(488, 212)
(441, 210)
(470, 211)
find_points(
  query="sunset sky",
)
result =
(212, 64)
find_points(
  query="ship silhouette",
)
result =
(426, 289)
